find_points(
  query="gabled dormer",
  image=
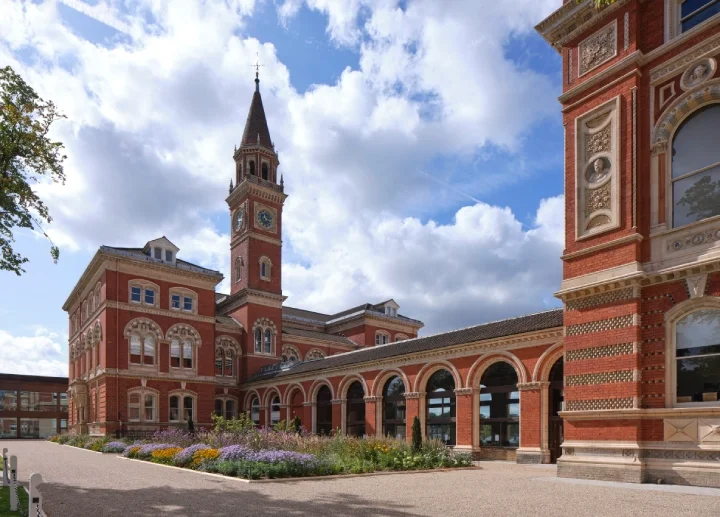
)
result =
(162, 250)
(390, 308)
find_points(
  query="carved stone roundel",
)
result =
(698, 73)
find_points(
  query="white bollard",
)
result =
(6, 478)
(35, 499)
(13, 486)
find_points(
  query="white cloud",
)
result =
(39, 354)
(152, 121)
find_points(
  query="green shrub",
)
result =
(63, 439)
(240, 425)
(78, 440)
(416, 435)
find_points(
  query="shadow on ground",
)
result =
(72, 501)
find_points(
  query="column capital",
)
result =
(466, 391)
(338, 401)
(414, 395)
(371, 399)
(309, 404)
(530, 386)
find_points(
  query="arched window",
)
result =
(258, 340)
(219, 363)
(251, 167)
(355, 420)
(393, 402)
(265, 268)
(142, 406)
(238, 269)
(696, 167)
(274, 410)
(697, 358)
(314, 355)
(499, 407)
(290, 354)
(323, 411)
(255, 411)
(382, 337)
(225, 407)
(264, 171)
(557, 403)
(441, 406)
(268, 341)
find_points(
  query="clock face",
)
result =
(239, 220)
(265, 219)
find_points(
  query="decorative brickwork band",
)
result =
(599, 378)
(600, 326)
(413, 395)
(599, 351)
(599, 404)
(338, 401)
(370, 399)
(600, 299)
(464, 391)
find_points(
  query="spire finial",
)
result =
(257, 66)
(231, 186)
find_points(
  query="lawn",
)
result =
(5, 501)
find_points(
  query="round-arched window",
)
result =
(393, 401)
(697, 357)
(441, 406)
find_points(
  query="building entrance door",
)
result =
(555, 405)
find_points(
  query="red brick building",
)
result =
(622, 383)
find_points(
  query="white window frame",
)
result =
(182, 394)
(144, 286)
(143, 393)
(225, 399)
(673, 21)
(382, 337)
(267, 273)
(255, 407)
(184, 292)
(142, 337)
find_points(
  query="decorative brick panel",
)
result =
(598, 404)
(600, 299)
(599, 378)
(600, 326)
(599, 351)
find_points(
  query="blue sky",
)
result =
(421, 149)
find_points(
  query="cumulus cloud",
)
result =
(153, 116)
(39, 354)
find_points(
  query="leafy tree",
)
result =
(599, 3)
(191, 425)
(27, 156)
(416, 435)
(702, 199)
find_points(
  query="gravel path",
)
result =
(79, 483)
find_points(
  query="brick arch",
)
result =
(382, 377)
(347, 381)
(143, 326)
(312, 392)
(290, 390)
(268, 395)
(485, 361)
(547, 360)
(225, 341)
(248, 398)
(682, 108)
(430, 368)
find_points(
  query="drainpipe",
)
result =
(117, 342)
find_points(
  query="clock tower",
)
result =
(256, 202)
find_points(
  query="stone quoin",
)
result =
(622, 383)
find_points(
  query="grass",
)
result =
(5, 501)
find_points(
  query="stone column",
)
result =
(371, 416)
(464, 407)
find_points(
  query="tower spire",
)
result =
(257, 66)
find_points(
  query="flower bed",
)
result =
(269, 454)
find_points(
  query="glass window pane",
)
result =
(696, 19)
(149, 408)
(150, 296)
(187, 303)
(187, 355)
(188, 408)
(696, 197)
(149, 350)
(219, 407)
(229, 364)
(698, 333)
(513, 410)
(258, 340)
(174, 408)
(218, 362)
(484, 411)
(168, 256)
(175, 353)
(268, 341)
(176, 301)
(698, 379)
(8, 400)
(229, 409)
(135, 294)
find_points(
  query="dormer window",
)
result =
(168, 256)
(157, 253)
(391, 311)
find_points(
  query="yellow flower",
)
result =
(166, 454)
(202, 455)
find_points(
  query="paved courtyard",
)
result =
(80, 483)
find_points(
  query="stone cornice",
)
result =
(545, 337)
(385, 322)
(250, 234)
(93, 271)
(287, 338)
(245, 296)
(250, 188)
(153, 375)
(571, 20)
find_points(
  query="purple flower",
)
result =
(185, 456)
(282, 457)
(234, 452)
(114, 447)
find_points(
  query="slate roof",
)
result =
(256, 123)
(318, 317)
(227, 320)
(519, 325)
(318, 335)
(140, 254)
